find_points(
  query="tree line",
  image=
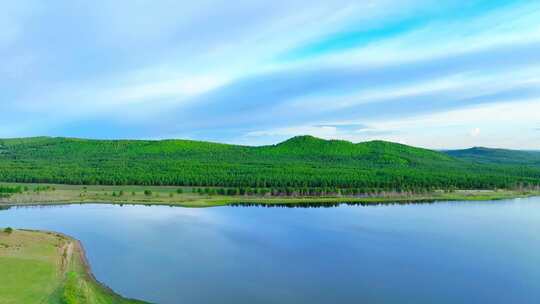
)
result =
(302, 166)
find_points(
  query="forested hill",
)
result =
(300, 162)
(498, 156)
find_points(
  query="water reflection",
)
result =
(462, 252)
(245, 204)
(330, 204)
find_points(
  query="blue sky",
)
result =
(437, 74)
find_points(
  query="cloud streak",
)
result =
(256, 72)
(267, 98)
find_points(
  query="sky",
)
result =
(440, 74)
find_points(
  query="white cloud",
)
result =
(67, 62)
(319, 131)
(475, 132)
(487, 125)
(497, 123)
(339, 130)
(514, 25)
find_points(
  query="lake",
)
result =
(458, 252)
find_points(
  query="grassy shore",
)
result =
(46, 267)
(41, 194)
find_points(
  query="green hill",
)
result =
(498, 156)
(302, 161)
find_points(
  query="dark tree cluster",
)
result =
(10, 190)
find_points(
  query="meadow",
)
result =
(47, 267)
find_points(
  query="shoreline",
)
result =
(79, 247)
(209, 201)
(65, 273)
(38, 194)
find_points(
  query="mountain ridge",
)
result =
(497, 156)
(294, 139)
(304, 161)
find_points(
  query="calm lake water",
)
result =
(480, 252)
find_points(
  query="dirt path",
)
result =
(66, 256)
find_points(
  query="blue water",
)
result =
(462, 252)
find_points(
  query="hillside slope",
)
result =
(302, 161)
(498, 156)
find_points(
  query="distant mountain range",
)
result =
(498, 156)
(302, 161)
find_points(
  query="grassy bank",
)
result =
(46, 267)
(189, 197)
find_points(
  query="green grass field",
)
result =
(45, 267)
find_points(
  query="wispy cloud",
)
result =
(353, 36)
(258, 71)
